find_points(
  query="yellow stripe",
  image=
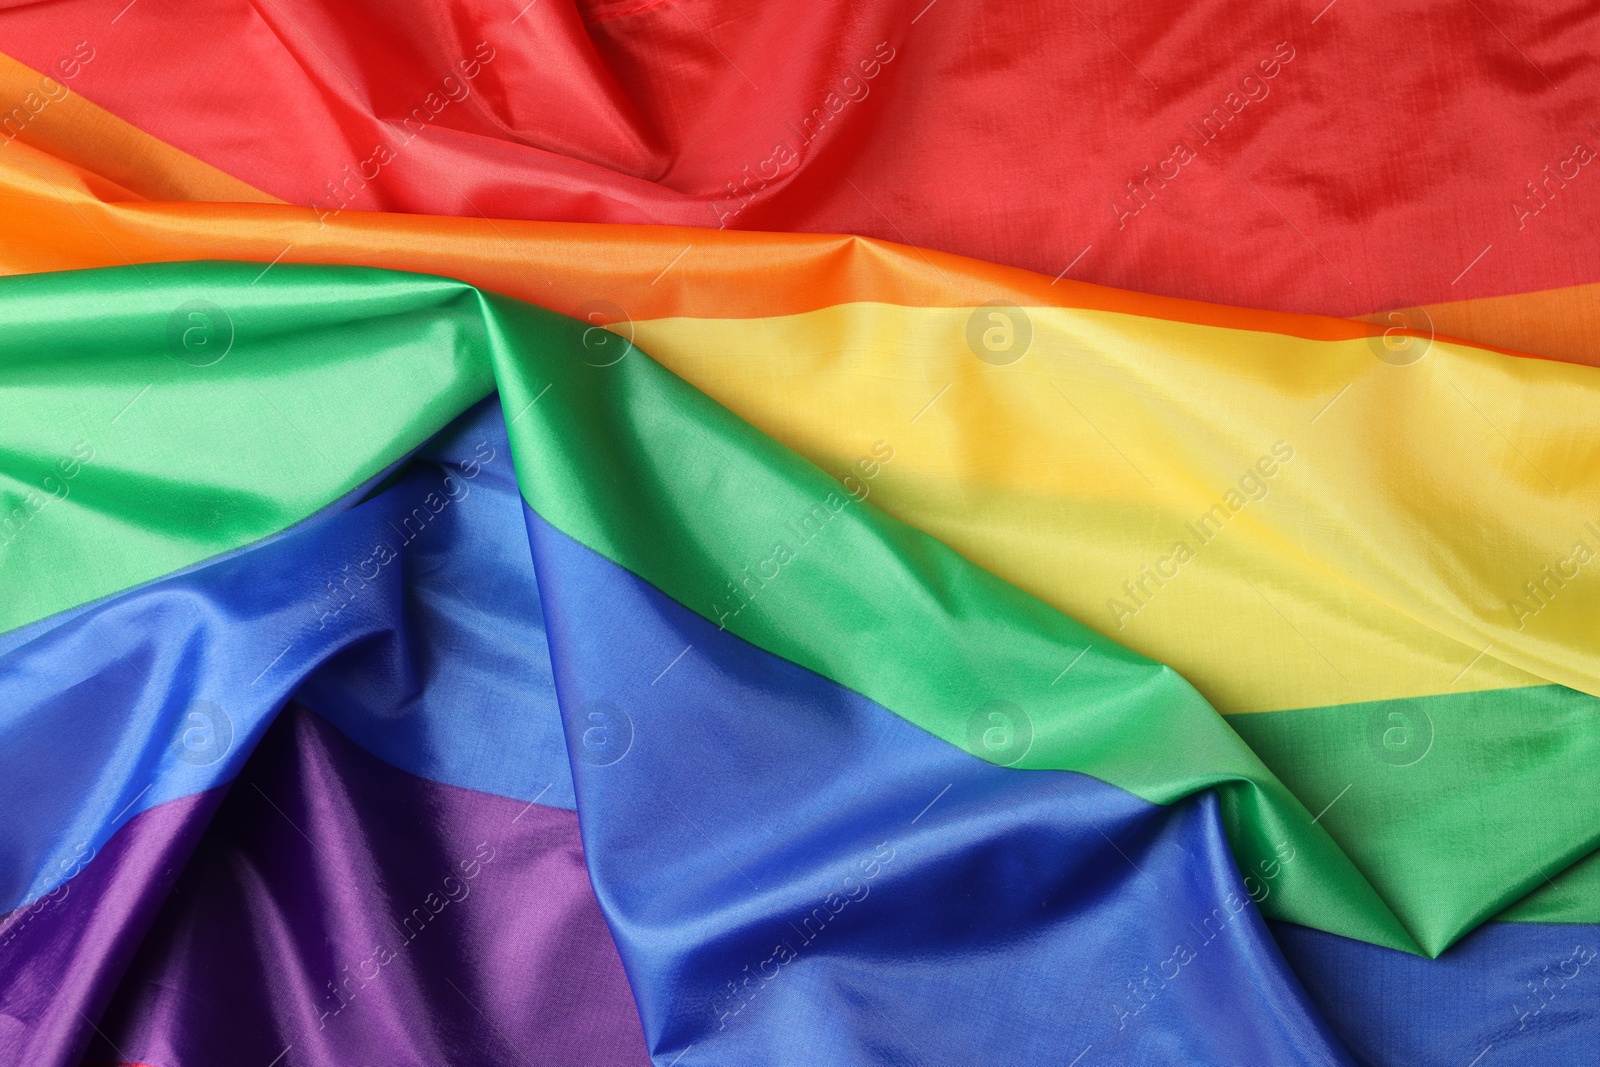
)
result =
(1379, 564)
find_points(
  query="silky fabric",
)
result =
(291, 791)
(144, 357)
(74, 161)
(352, 912)
(908, 876)
(132, 164)
(437, 662)
(329, 788)
(1137, 472)
(1396, 768)
(62, 956)
(1245, 156)
(591, 454)
(1337, 641)
(169, 686)
(1508, 993)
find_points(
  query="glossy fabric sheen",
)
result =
(259, 891)
(796, 876)
(62, 956)
(168, 687)
(273, 427)
(592, 454)
(1161, 147)
(186, 997)
(1368, 658)
(1511, 994)
(134, 164)
(65, 217)
(1368, 562)
(625, 448)
(355, 913)
(70, 210)
(1397, 770)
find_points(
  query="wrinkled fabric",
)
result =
(346, 910)
(796, 876)
(63, 955)
(1508, 993)
(692, 746)
(168, 687)
(1336, 158)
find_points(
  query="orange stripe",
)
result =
(86, 157)
(46, 114)
(1556, 323)
(57, 217)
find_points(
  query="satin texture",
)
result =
(1138, 472)
(1508, 993)
(131, 164)
(436, 661)
(1239, 156)
(1376, 650)
(350, 912)
(71, 211)
(368, 824)
(612, 420)
(167, 687)
(62, 956)
(285, 874)
(79, 155)
(796, 876)
(91, 436)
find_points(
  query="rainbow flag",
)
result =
(513, 556)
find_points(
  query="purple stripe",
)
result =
(351, 913)
(63, 954)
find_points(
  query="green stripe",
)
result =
(335, 373)
(651, 473)
(331, 376)
(1455, 806)
(1568, 896)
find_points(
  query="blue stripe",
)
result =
(795, 875)
(1506, 995)
(436, 662)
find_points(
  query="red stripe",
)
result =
(1377, 167)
